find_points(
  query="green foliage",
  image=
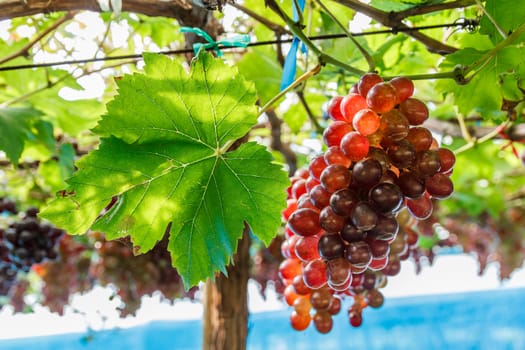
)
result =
(497, 79)
(20, 125)
(261, 67)
(166, 154)
(507, 14)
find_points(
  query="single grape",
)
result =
(320, 197)
(289, 268)
(447, 159)
(420, 208)
(314, 274)
(381, 156)
(331, 246)
(355, 146)
(343, 201)
(306, 248)
(350, 233)
(420, 137)
(302, 305)
(404, 88)
(394, 126)
(358, 254)
(386, 197)
(386, 229)
(369, 280)
(375, 298)
(321, 299)
(317, 166)
(364, 216)
(381, 97)
(378, 247)
(367, 172)
(333, 134)
(330, 221)
(378, 264)
(427, 163)
(410, 184)
(300, 322)
(323, 322)
(334, 108)
(335, 155)
(335, 177)
(299, 286)
(350, 105)
(366, 122)
(367, 81)
(402, 154)
(414, 110)
(305, 222)
(339, 272)
(439, 186)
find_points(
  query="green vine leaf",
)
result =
(166, 155)
(485, 92)
(17, 126)
(506, 14)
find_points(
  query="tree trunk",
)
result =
(225, 324)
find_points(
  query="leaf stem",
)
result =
(463, 127)
(292, 86)
(490, 135)
(491, 19)
(489, 55)
(366, 55)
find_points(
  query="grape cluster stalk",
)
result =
(347, 212)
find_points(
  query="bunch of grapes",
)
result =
(134, 276)
(8, 206)
(23, 243)
(65, 276)
(30, 241)
(343, 214)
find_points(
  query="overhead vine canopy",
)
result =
(111, 122)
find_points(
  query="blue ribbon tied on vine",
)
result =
(290, 62)
(241, 40)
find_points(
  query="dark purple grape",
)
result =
(351, 234)
(330, 221)
(439, 186)
(364, 216)
(380, 155)
(386, 197)
(410, 184)
(378, 247)
(402, 154)
(369, 280)
(367, 172)
(331, 246)
(375, 298)
(427, 163)
(335, 177)
(386, 228)
(343, 202)
(358, 254)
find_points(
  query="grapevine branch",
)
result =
(25, 49)
(366, 55)
(389, 19)
(422, 10)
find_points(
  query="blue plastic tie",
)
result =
(290, 63)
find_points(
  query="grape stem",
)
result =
(292, 86)
(490, 135)
(366, 55)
